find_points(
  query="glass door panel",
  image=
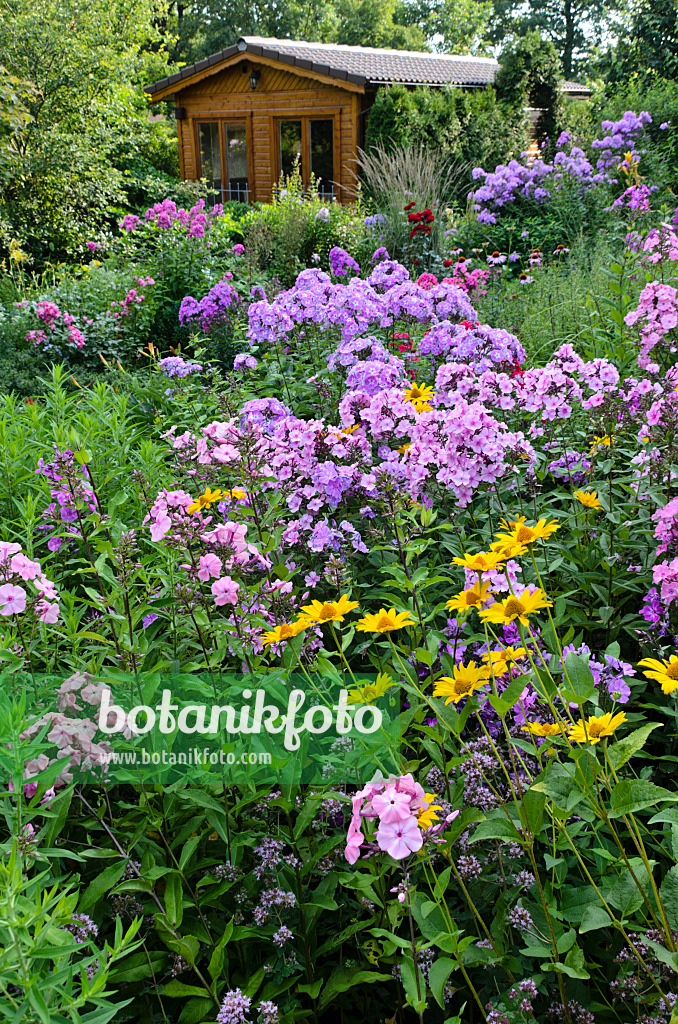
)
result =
(236, 162)
(290, 147)
(210, 157)
(322, 155)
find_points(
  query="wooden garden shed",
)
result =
(245, 114)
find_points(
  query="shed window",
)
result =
(322, 155)
(223, 144)
(210, 155)
(309, 144)
(290, 147)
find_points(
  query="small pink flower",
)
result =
(7, 549)
(24, 567)
(12, 599)
(391, 805)
(225, 591)
(47, 612)
(160, 527)
(400, 838)
(210, 565)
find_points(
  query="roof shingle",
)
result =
(361, 65)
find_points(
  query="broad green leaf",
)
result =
(623, 750)
(632, 795)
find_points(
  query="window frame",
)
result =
(245, 119)
(305, 118)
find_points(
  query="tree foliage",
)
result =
(530, 76)
(648, 46)
(575, 27)
(85, 136)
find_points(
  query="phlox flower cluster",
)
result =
(470, 281)
(235, 1008)
(175, 366)
(482, 347)
(656, 315)
(216, 306)
(194, 223)
(341, 263)
(621, 137)
(39, 600)
(72, 493)
(537, 180)
(397, 804)
(58, 327)
(72, 736)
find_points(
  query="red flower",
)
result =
(409, 206)
(414, 218)
(467, 324)
(517, 372)
(448, 263)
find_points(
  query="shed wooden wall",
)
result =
(279, 93)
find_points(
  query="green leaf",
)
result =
(176, 989)
(416, 998)
(668, 893)
(312, 988)
(344, 978)
(100, 885)
(174, 899)
(437, 978)
(623, 750)
(594, 917)
(632, 795)
(495, 828)
(197, 1010)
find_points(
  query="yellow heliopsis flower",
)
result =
(543, 729)
(403, 448)
(594, 729)
(665, 672)
(384, 621)
(369, 692)
(427, 815)
(518, 532)
(602, 442)
(588, 498)
(237, 494)
(508, 549)
(207, 499)
(476, 597)
(483, 561)
(286, 631)
(516, 608)
(463, 681)
(328, 611)
(500, 660)
(419, 394)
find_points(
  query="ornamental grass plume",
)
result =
(593, 730)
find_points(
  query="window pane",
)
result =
(210, 156)
(236, 162)
(290, 146)
(322, 157)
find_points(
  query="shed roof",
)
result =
(360, 65)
